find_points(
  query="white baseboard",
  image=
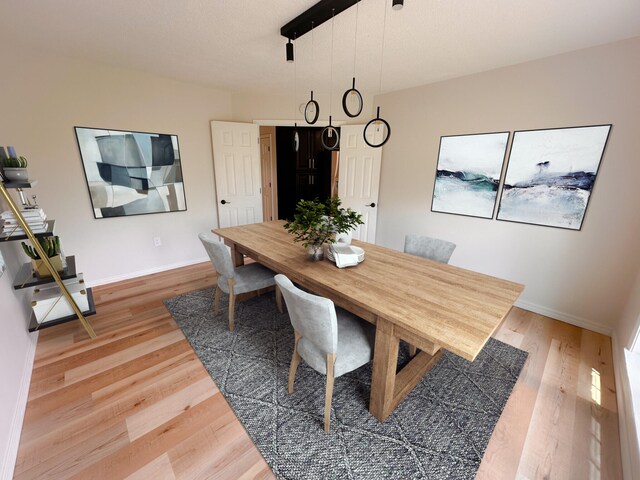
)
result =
(565, 317)
(149, 271)
(7, 466)
(629, 448)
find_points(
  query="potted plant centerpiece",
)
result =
(15, 169)
(316, 223)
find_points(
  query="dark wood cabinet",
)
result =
(305, 174)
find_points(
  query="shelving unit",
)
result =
(26, 278)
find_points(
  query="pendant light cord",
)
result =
(295, 84)
(331, 69)
(384, 28)
(355, 40)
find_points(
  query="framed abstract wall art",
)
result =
(131, 173)
(550, 175)
(468, 173)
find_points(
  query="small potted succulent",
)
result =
(14, 169)
(51, 246)
(316, 223)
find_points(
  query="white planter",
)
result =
(14, 174)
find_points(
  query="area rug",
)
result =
(440, 431)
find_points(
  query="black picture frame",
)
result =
(468, 173)
(131, 172)
(551, 174)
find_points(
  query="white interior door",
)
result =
(359, 177)
(236, 165)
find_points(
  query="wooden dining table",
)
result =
(432, 306)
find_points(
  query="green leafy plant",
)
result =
(315, 223)
(13, 162)
(50, 245)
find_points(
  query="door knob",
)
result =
(224, 202)
(372, 204)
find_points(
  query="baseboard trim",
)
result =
(8, 465)
(149, 271)
(629, 448)
(564, 317)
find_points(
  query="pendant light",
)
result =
(352, 102)
(377, 123)
(312, 109)
(296, 136)
(330, 138)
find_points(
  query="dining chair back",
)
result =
(427, 247)
(331, 340)
(234, 281)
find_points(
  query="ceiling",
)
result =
(235, 45)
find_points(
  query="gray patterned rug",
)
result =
(440, 431)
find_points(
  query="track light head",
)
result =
(397, 4)
(289, 51)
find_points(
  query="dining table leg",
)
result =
(236, 257)
(385, 361)
(389, 387)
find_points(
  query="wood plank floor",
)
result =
(137, 403)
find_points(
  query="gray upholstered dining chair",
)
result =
(427, 247)
(331, 340)
(234, 281)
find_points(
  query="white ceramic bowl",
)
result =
(355, 249)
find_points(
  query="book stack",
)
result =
(35, 218)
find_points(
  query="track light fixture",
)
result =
(289, 51)
(397, 4)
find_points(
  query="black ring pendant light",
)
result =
(330, 138)
(376, 122)
(311, 111)
(330, 132)
(353, 96)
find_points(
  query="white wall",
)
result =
(627, 370)
(45, 96)
(17, 348)
(630, 319)
(583, 277)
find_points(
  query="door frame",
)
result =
(274, 158)
(273, 155)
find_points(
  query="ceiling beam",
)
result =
(315, 16)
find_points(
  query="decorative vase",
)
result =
(16, 174)
(316, 252)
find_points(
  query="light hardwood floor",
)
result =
(137, 403)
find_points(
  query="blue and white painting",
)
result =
(468, 173)
(550, 175)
